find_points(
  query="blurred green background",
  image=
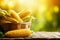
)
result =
(46, 13)
(47, 16)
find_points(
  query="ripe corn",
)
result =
(11, 19)
(24, 14)
(4, 21)
(19, 33)
(15, 15)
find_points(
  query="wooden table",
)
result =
(46, 35)
(41, 35)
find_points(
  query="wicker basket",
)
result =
(14, 26)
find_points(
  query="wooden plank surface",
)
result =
(46, 35)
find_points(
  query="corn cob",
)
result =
(15, 15)
(19, 33)
(24, 14)
(11, 19)
(1, 12)
(4, 21)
